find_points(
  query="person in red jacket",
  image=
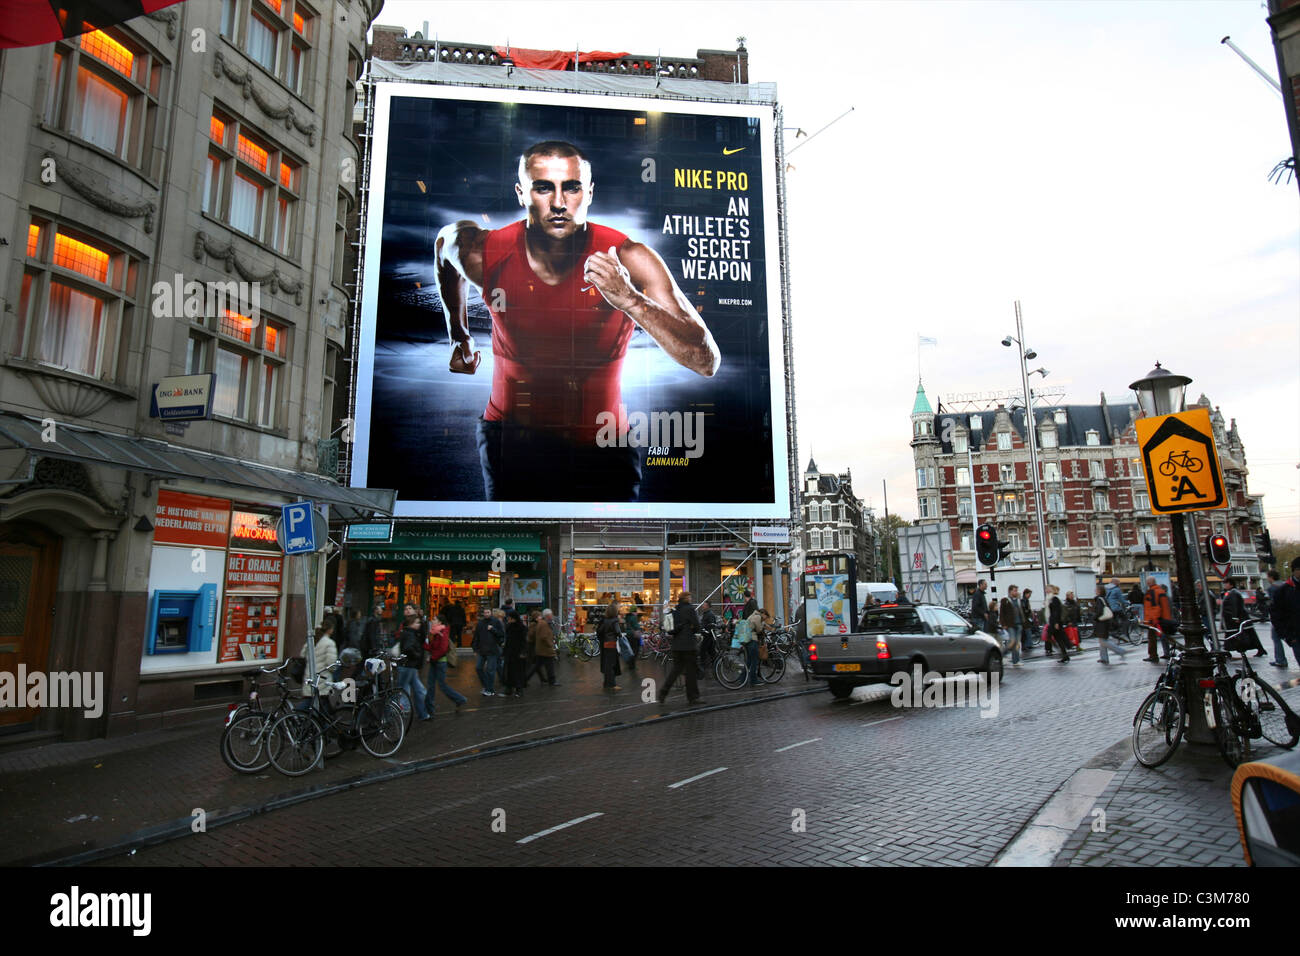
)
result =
(1155, 609)
(565, 295)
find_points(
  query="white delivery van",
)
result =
(882, 591)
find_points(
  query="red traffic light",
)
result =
(985, 534)
(1217, 547)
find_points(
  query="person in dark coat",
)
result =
(685, 623)
(632, 631)
(488, 647)
(373, 640)
(708, 622)
(979, 605)
(1056, 624)
(611, 628)
(750, 605)
(1275, 585)
(516, 652)
(1234, 616)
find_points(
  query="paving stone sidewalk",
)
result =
(65, 798)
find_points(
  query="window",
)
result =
(277, 36)
(77, 295)
(1097, 469)
(1093, 437)
(248, 355)
(963, 508)
(835, 513)
(831, 543)
(1100, 501)
(1051, 471)
(1058, 537)
(965, 541)
(261, 200)
(925, 511)
(1108, 536)
(920, 478)
(1013, 540)
(1146, 533)
(959, 444)
(1008, 473)
(847, 538)
(826, 512)
(1059, 416)
(104, 90)
(1141, 502)
(963, 476)
(1056, 503)
(1004, 441)
(1048, 437)
(1008, 504)
(815, 540)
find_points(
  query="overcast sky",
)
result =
(1105, 163)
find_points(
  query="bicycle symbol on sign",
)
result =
(1178, 460)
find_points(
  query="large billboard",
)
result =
(571, 307)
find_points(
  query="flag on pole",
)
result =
(926, 340)
(33, 22)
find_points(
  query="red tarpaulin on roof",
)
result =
(553, 59)
(32, 22)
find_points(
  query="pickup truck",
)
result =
(893, 638)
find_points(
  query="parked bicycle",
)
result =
(732, 666)
(243, 740)
(296, 741)
(1240, 706)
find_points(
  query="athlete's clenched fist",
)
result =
(604, 271)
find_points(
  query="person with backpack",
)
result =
(411, 661)
(438, 644)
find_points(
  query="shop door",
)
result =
(29, 566)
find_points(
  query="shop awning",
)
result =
(466, 550)
(162, 459)
(966, 576)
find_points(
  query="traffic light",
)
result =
(1216, 545)
(1004, 549)
(986, 545)
(1265, 547)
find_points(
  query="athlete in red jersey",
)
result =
(565, 295)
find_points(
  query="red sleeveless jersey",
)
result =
(557, 350)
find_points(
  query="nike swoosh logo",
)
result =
(728, 152)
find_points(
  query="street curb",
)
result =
(175, 829)
(1108, 759)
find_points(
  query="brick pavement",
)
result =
(65, 798)
(917, 787)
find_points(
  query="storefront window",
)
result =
(633, 581)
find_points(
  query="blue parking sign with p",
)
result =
(299, 533)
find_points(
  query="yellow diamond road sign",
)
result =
(1180, 462)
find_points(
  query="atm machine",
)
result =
(830, 595)
(182, 622)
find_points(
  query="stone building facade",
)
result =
(1097, 511)
(173, 198)
(837, 521)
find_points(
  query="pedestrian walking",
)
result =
(544, 650)
(1009, 622)
(1103, 616)
(1234, 616)
(979, 605)
(708, 645)
(411, 661)
(439, 646)
(1156, 610)
(1073, 615)
(516, 653)
(354, 631)
(1275, 584)
(1056, 623)
(488, 649)
(610, 630)
(685, 623)
(632, 631)
(1028, 625)
(1119, 608)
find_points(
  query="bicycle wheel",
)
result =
(243, 745)
(1277, 721)
(1157, 727)
(401, 698)
(590, 647)
(772, 669)
(381, 727)
(295, 743)
(731, 670)
(1227, 728)
(1167, 468)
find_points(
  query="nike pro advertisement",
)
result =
(571, 307)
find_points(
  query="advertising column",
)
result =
(253, 590)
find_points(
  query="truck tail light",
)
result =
(812, 652)
(882, 649)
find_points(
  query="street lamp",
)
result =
(1162, 392)
(1029, 355)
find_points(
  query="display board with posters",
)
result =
(571, 307)
(253, 585)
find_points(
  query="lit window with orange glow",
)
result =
(81, 257)
(299, 23)
(237, 326)
(33, 240)
(107, 50)
(252, 154)
(275, 5)
(286, 175)
(272, 339)
(217, 131)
